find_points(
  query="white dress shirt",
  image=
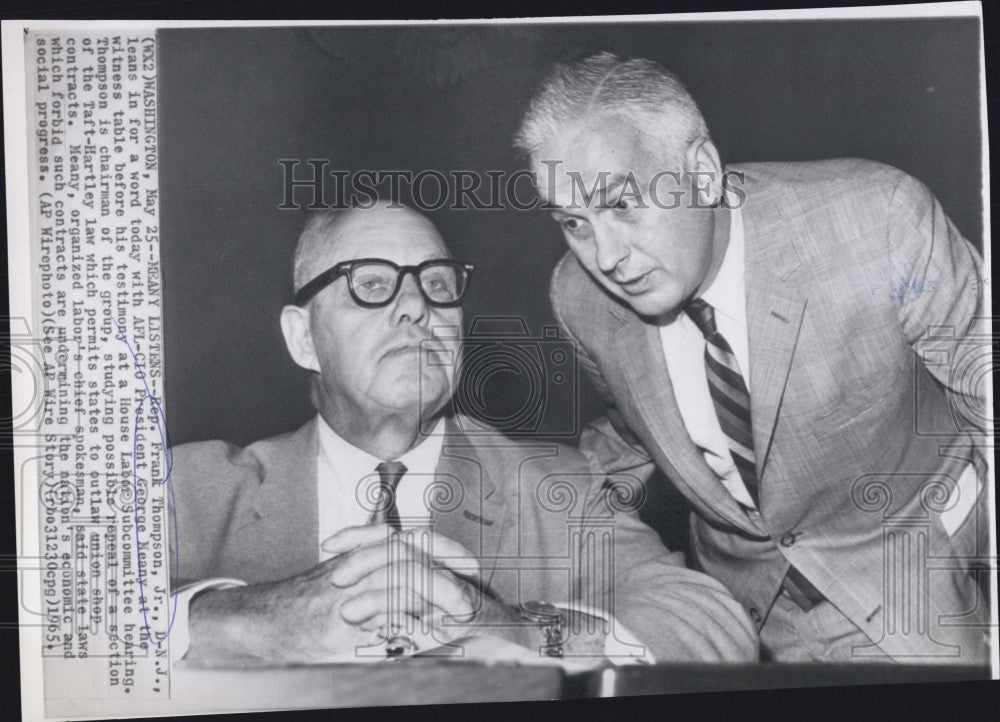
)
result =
(344, 472)
(684, 349)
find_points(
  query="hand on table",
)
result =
(292, 620)
(379, 580)
(389, 578)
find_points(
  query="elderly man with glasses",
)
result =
(361, 536)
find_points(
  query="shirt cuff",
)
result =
(962, 498)
(180, 632)
(621, 646)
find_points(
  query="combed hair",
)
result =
(607, 85)
(316, 233)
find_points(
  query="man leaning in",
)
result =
(738, 324)
(358, 535)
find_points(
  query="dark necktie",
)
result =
(732, 405)
(389, 474)
(729, 394)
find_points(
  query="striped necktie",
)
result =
(389, 474)
(732, 406)
(729, 394)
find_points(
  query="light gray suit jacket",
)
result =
(851, 268)
(539, 518)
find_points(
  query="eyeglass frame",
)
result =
(345, 268)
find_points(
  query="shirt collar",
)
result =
(726, 294)
(353, 463)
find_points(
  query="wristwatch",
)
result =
(550, 621)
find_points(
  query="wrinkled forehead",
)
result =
(589, 155)
(396, 234)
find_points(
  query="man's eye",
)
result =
(571, 225)
(371, 283)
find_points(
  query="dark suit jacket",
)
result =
(535, 515)
(851, 268)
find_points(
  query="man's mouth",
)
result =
(636, 284)
(402, 350)
(428, 345)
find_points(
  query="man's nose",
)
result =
(610, 249)
(410, 305)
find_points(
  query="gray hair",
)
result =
(315, 234)
(605, 84)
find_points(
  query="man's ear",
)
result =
(298, 337)
(706, 171)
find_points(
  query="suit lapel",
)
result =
(774, 316)
(466, 507)
(284, 526)
(283, 514)
(650, 388)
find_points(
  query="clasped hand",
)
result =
(378, 579)
(387, 576)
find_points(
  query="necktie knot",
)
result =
(392, 471)
(703, 316)
(389, 475)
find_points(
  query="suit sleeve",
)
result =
(681, 614)
(205, 481)
(939, 289)
(607, 440)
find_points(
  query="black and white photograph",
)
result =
(406, 363)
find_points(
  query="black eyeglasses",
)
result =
(375, 282)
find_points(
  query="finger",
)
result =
(377, 545)
(374, 608)
(426, 624)
(430, 619)
(446, 552)
(352, 537)
(447, 594)
(409, 624)
(382, 622)
(368, 560)
(372, 623)
(412, 589)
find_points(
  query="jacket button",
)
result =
(755, 615)
(788, 539)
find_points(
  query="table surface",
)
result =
(418, 681)
(677, 678)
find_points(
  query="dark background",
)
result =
(234, 102)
